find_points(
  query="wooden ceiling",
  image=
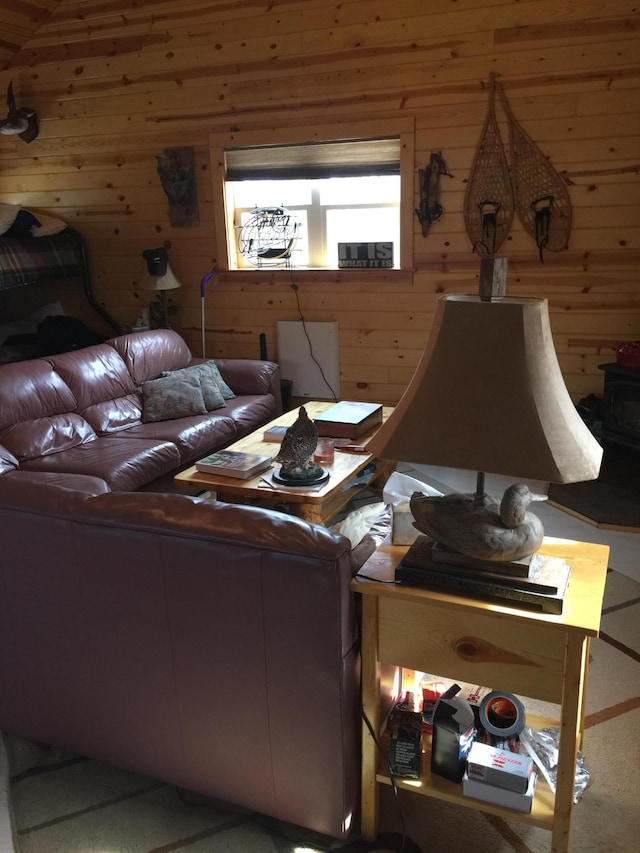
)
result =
(19, 21)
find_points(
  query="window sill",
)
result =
(316, 276)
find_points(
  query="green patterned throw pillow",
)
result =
(171, 397)
(213, 398)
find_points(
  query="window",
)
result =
(318, 215)
(293, 202)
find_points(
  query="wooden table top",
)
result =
(582, 606)
(344, 467)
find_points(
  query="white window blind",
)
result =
(334, 159)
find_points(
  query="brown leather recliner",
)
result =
(209, 645)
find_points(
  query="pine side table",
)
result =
(526, 652)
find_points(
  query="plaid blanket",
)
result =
(30, 259)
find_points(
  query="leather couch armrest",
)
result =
(251, 376)
(361, 553)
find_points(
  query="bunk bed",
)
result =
(46, 300)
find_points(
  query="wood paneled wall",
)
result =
(115, 83)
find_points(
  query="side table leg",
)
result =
(370, 708)
(576, 661)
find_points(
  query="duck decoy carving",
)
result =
(21, 122)
(480, 527)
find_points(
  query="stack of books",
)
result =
(348, 419)
(500, 777)
(275, 433)
(540, 584)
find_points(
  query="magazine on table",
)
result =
(233, 463)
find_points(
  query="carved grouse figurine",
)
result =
(481, 527)
(298, 445)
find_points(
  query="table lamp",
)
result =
(158, 276)
(488, 395)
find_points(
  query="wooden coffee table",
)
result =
(316, 503)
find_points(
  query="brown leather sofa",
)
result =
(210, 645)
(81, 412)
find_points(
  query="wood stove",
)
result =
(621, 405)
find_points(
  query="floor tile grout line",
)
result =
(27, 830)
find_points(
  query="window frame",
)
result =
(223, 212)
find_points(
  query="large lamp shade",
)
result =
(488, 395)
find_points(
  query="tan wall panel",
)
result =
(162, 74)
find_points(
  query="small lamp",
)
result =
(158, 276)
(488, 395)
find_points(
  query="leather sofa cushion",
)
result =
(30, 390)
(115, 415)
(194, 436)
(8, 461)
(106, 393)
(244, 411)
(94, 374)
(147, 355)
(124, 464)
(45, 436)
(247, 375)
(20, 486)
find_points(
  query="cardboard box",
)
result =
(405, 743)
(500, 768)
(500, 796)
(453, 732)
(402, 530)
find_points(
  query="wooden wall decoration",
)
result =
(541, 196)
(430, 209)
(526, 183)
(176, 167)
(488, 201)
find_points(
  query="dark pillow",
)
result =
(60, 333)
(22, 224)
(211, 392)
(171, 397)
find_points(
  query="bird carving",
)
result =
(21, 122)
(479, 526)
(298, 445)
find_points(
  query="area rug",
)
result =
(65, 803)
(613, 499)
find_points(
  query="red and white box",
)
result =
(498, 767)
(500, 796)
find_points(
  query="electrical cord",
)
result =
(377, 580)
(295, 289)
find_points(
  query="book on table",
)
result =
(233, 463)
(348, 419)
(274, 433)
(544, 587)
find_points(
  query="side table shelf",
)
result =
(431, 785)
(526, 652)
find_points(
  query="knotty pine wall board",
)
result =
(19, 22)
(114, 85)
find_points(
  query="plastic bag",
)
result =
(397, 493)
(542, 746)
